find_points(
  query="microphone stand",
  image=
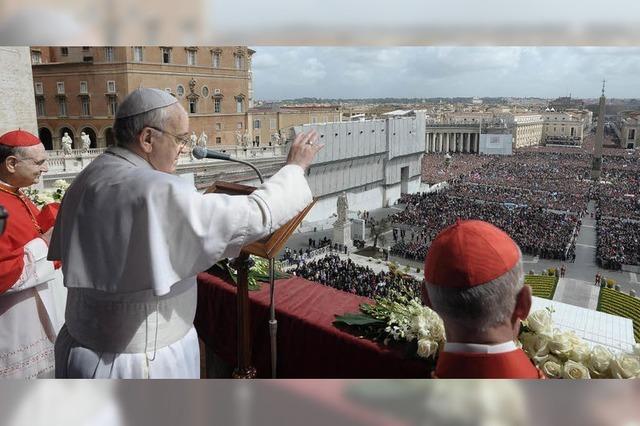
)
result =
(246, 163)
(273, 322)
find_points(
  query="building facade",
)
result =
(78, 89)
(273, 125)
(627, 126)
(373, 162)
(563, 128)
(528, 130)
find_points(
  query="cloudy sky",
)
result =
(352, 72)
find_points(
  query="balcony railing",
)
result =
(78, 159)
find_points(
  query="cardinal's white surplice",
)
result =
(131, 240)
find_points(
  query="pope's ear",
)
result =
(144, 139)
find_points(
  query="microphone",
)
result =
(201, 152)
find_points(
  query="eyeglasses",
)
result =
(38, 163)
(183, 140)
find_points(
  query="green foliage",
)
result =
(542, 285)
(620, 304)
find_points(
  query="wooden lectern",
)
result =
(267, 248)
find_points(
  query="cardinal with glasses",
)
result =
(132, 236)
(31, 292)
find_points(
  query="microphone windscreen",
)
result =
(199, 152)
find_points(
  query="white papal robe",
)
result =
(131, 240)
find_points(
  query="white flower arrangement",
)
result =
(400, 317)
(43, 197)
(562, 354)
(558, 354)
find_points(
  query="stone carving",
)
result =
(275, 138)
(193, 140)
(203, 139)
(86, 141)
(343, 207)
(238, 137)
(66, 144)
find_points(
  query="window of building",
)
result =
(239, 62)
(111, 86)
(36, 57)
(218, 126)
(86, 106)
(113, 105)
(62, 106)
(238, 104)
(205, 92)
(64, 51)
(256, 124)
(272, 124)
(84, 87)
(314, 120)
(632, 134)
(191, 57)
(166, 55)
(216, 59)
(85, 48)
(60, 86)
(218, 139)
(257, 140)
(193, 106)
(217, 104)
(38, 88)
(137, 54)
(108, 54)
(180, 90)
(40, 107)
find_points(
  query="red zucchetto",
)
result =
(19, 138)
(469, 253)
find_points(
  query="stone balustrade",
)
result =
(68, 166)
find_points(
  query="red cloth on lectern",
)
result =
(309, 345)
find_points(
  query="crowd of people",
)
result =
(618, 212)
(537, 231)
(436, 169)
(618, 243)
(563, 201)
(348, 276)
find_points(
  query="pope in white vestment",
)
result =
(132, 237)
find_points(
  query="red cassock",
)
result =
(25, 223)
(506, 365)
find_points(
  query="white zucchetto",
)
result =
(144, 100)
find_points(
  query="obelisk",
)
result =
(596, 166)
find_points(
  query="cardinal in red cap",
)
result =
(474, 280)
(29, 283)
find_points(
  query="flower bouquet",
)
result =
(562, 354)
(258, 272)
(47, 196)
(400, 316)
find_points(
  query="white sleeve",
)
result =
(184, 232)
(37, 269)
(268, 208)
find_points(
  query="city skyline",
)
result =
(429, 72)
